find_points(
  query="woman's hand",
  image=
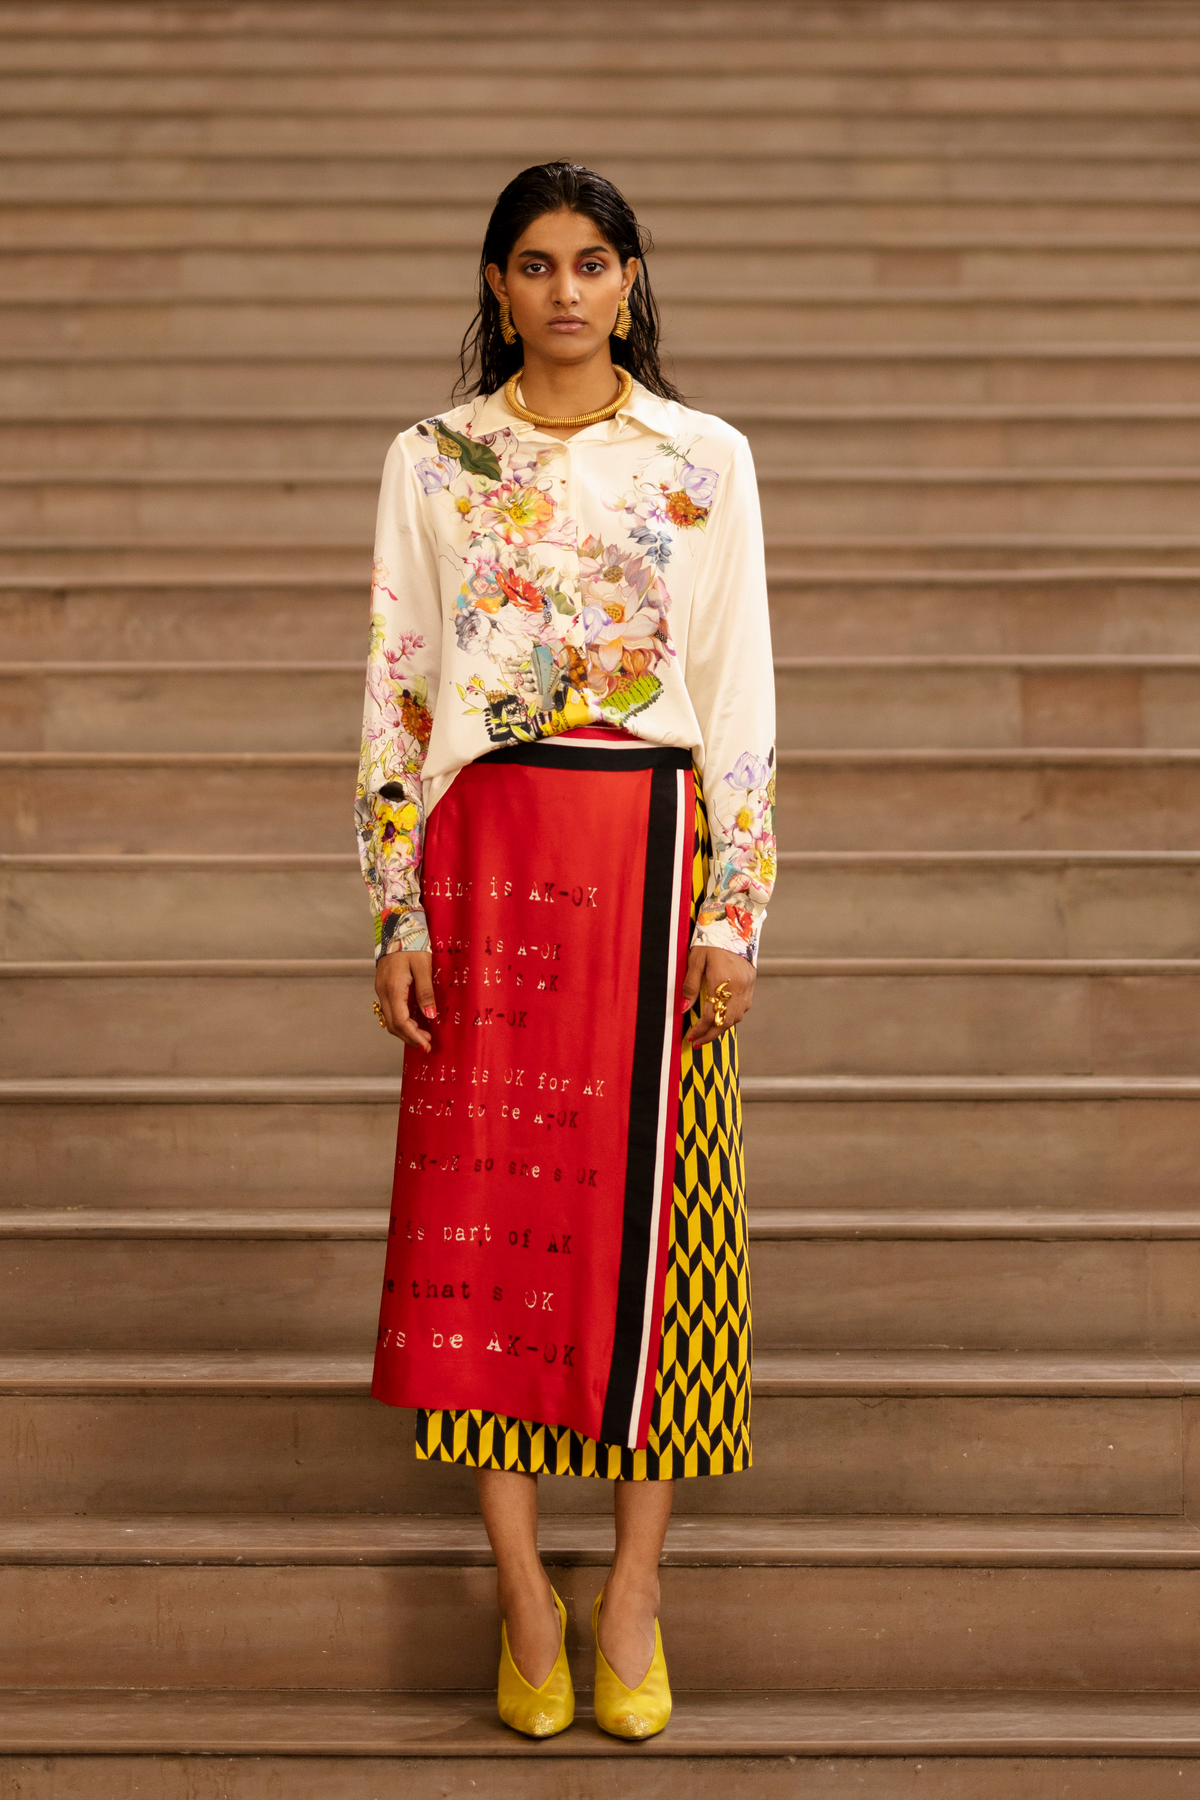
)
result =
(404, 985)
(713, 967)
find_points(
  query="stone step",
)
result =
(901, 437)
(981, 700)
(171, 1280)
(1003, 175)
(970, 436)
(783, 43)
(212, 706)
(1148, 98)
(248, 1141)
(1047, 611)
(748, 129)
(128, 801)
(835, 1432)
(878, 903)
(845, 316)
(822, 702)
(420, 219)
(860, 1142)
(305, 505)
(56, 564)
(1155, 20)
(864, 903)
(262, 1603)
(987, 800)
(233, 799)
(997, 1743)
(201, 906)
(395, 389)
(146, 614)
(858, 1744)
(1015, 265)
(1056, 504)
(818, 1016)
(152, 617)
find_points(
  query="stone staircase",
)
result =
(941, 261)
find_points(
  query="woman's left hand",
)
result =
(712, 967)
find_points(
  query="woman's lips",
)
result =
(567, 324)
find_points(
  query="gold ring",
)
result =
(378, 1011)
(720, 1000)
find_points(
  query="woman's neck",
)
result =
(564, 390)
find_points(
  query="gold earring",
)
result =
(506, 324)
(624, 320)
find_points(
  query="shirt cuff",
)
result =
(399, 928)
(721, 935)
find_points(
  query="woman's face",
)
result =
(564, 284)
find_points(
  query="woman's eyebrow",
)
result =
(545, 256)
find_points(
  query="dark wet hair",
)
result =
(486, 360)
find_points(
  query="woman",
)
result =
(565, 812)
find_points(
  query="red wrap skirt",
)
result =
(565, 1167)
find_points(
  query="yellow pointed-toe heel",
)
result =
(542, 1711)
(637, 1712)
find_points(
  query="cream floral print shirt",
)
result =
(524, 586)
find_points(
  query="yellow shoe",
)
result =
(538, 1712)
(631, 1712)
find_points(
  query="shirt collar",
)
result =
(642, 408)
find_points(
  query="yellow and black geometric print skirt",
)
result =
(700, 1418)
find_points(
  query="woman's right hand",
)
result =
(404, 987)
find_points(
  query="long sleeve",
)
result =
(730, 680)
(403, 672)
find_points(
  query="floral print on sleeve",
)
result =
(742, 824)
(389, 811)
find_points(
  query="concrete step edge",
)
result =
(821, 1089)
(965, 966)
(799, 860)
(1079, 414)
(180, 759)
(58, 51)
(941, 1225)
(256, 862)
(866, 579)
(947, 758)
(1054, 350)
(903, 663)
(322, 968)
(343, 1224)
(209, 1090)
(90, 1722)
(369, 1090)
(779, 1373)
(1086, 663)
(772, 475)
(690, 117)
(706, 1541)
(871, 239)
(350, 585)
(16, 671)
(971, 758)
(249, 862)
(658, 55)
(218, 581)
(887, 299)
(974, 543)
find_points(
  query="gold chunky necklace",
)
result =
(580, 419)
